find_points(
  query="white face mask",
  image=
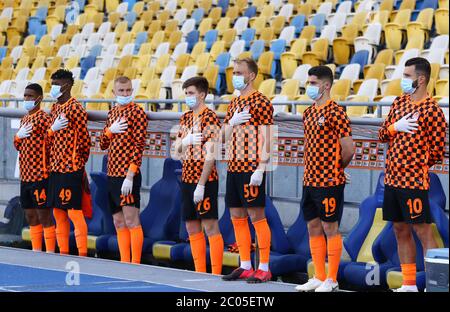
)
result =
(55, 91)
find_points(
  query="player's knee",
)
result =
(256, 214)
(402, 231)
(132, 220)
(238, 213)
(45, 218)
(211, 227)
(423, 231)
(32, 217)
(315, 228)
(119, 221)
(193, 227)
(330, 228)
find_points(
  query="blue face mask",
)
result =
(407, 86)
(191, 101)
(313, 92)
(124, 100)
(29, 105)
(239, 82)
(55, 91)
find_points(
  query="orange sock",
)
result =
(50, 239)
(243, 237)
(409, 274)
(334, 255)
(62, 230)
(137, 240)
(198, 248)
(216, 253)
(318, 246)
(124, 241)
(36, 237)
(81, 230)
(264, 236)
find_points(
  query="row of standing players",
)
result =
(54, 149)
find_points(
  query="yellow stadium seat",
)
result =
(359, 20)
(142, 62)
(38, 62)
(381, 17)
(145, 49)
(278, 23)
(267, 34)
(290, 88)
(211, 74)
(109, 90)
(308, 33)
(110, 75)
(424, 19)
(318, 54)
(13, 42)
(162, 62)
(111, 5)
(164, 16)
(229, 36)
(153, 89)
(435, 68)
(265, 62)
(357, 111)
(267, 87)
(202, 61)
(229, 79)
(182, 62)
(375, 71)
(198, 48)
(147, 16)
(153, 5)
(175, 38)
(392, 88)
(258, 23)
(4, 22)
(205, 4)
(138, 7)
(241, 4)
(188, 5)
(215, 14)
(441, 88)
(125, 38)
(443, 4)
(441, 17)
(267, 11)
(54, 64)
(114, 18)
(77, 88)
(341, 51)
(205, 25)
(301, 108)
(386, 5)
(125, 62)
(138, 27)
(223, 25)
(305, 9)
(2, 39)
(22, 63)
(131, 72)
(332, 67)
(430, 86)
(259, 4)
(121, 28)
(288, 65)
(217, 48)
(157, 39)
(340, 89)
(6, 73)
(170, 27)
(232, 13)
(148, 74)
(246, 54)
(97, 105)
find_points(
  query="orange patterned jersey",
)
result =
(409, 156)
(34, 150)
(70, 147)
(324, 127)
(193, 158)
(244, 149)
(125, 149)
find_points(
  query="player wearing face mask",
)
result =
(196, 143)
(328, 150)
(32, 143)
(124, 135)
(70, 145)
(415, 130)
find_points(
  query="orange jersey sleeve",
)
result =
(387, 131)
(436, 130)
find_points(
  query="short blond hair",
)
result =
(122, 79)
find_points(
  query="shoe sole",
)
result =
(256, 282)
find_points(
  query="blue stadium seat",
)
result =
(361, 57)
(298, 22)
(131, 4)
(198, 14)
(41, 31)
(85, 64)
(130, 18)
(222, 61)
(192, 39)
(141, 38)
(437, 193)
(296, 260)
(423, 4)
(3, 51)
(82, 4)
(96, 50)
(250, 11)
(257, 48)
(41, 14)
(277, 47)
(248, 35)
(224, 5)
(210, 38)
(319, 21)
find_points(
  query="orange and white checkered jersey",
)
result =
(207, 123)
(125, 149)
(70, 147)
(34, 151)
(324, 127)
(409, 156)
(244, 150)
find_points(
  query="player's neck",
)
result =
(34, 110)
(248, 90)
(323, 100)
(419, 95)
(199, 109)
(64, 98)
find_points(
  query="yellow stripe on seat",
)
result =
(230, 259)
(365, 252)
(161, 251)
